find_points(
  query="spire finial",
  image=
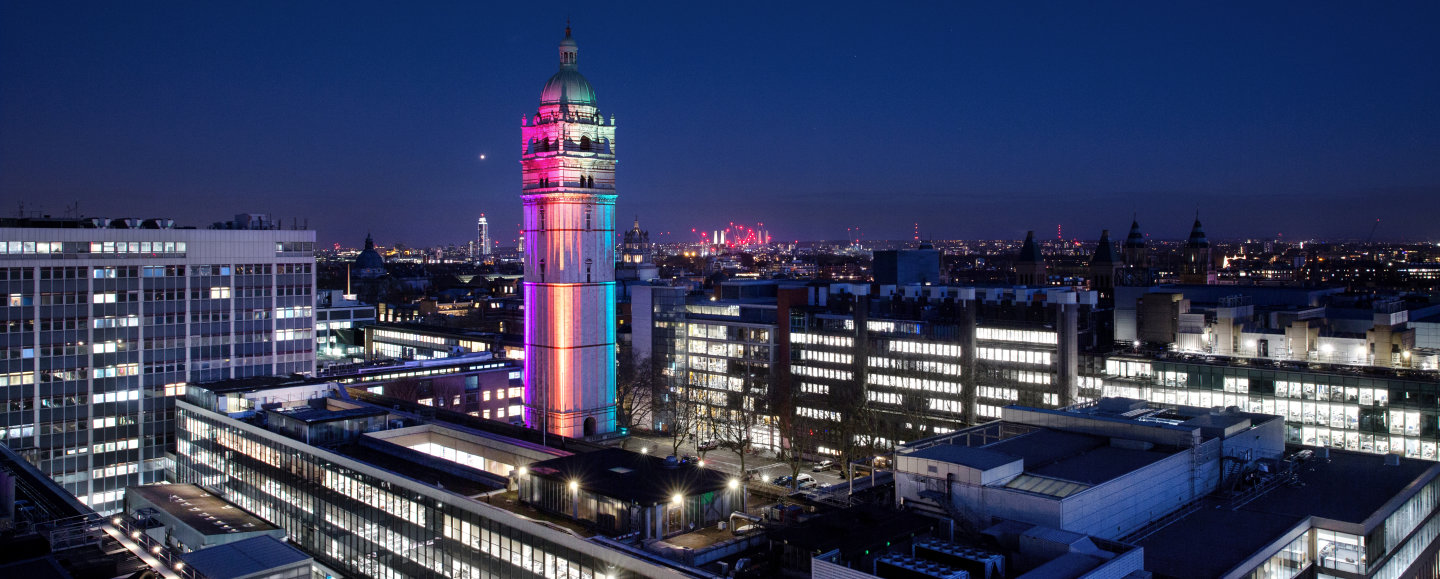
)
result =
(567, 27)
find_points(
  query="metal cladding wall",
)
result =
(568, 170)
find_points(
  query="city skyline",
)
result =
(974, 122)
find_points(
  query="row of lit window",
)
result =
(884, 397)
(49, 247)
(116, 371)
(97, 499)
(913, 383)
(824, 356)
(926, 348)
(946, 368)
(1128, 369)
(945, 405)
(409, 337)
(503, 548)
(282, 335)
(117, 396)
(817, 413)
(116, 322)
(1016, 356)
(996, 393)
(1008, 335)
(823, 340)
(829, 373)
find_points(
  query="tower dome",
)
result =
(568, 86)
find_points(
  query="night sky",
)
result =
(1310, 119)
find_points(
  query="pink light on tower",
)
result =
(568, 188)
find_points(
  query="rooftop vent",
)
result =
(1392, 460)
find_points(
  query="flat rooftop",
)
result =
(1349, 487)
(310, 415)
(200, 510)
(244, 558)
(632, 476)
(1052, 454)
(478, 482)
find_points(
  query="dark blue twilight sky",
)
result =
(974, 119)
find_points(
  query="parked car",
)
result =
(823, 465)
(711, 444)
(783, 480)
(689, 459)
(807, 485)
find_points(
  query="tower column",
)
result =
(568, 191)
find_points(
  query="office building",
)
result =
(869, 371)
(1376, 411)
(568, 180)
(106, 321)
(387, 494)
(823, 364)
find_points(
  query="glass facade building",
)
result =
(1380, 411)
(368, 521)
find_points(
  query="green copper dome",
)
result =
(568, 86)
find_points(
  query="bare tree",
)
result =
(743, 411)
(684, 415)
(635, 396)
(449, 394)
(409, 389)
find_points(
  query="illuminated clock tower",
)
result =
(568, 187)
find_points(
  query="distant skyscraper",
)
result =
(568, 185)
(107, 321)
(482, 236)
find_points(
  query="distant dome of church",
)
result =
(369, 263)
(568, 86)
